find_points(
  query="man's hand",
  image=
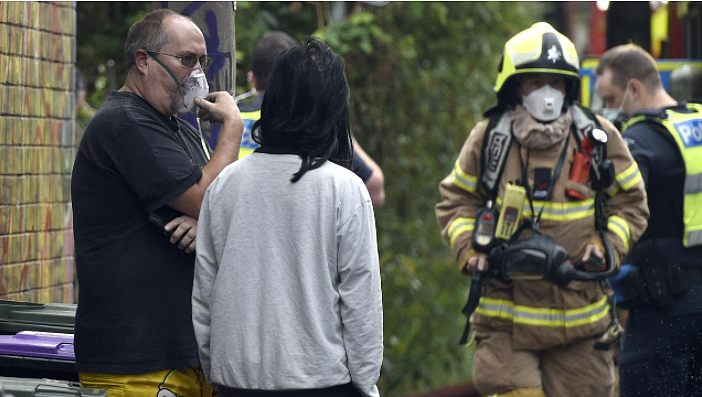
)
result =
(184, 231)
(480, 259)
(219, 106)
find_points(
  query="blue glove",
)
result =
(620, 292)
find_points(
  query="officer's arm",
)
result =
(376, 182)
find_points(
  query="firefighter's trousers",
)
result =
(577, 370)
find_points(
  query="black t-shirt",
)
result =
(663, 171)
(134, 310)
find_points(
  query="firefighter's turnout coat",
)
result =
(539, 314)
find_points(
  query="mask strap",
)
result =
(202, 140)
(626, 93)
(180, 86)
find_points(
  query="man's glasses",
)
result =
(188, 60)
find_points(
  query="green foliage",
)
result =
(102, 29)
(254, 19)
(359, 31)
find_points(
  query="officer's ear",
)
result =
(636, 88)
(251, 77)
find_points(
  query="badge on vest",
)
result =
(247, 137)
(542, 181)
(690, 132)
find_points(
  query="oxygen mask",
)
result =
(192, 86)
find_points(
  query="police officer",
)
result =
(534, 337)
(662, 348)
(265, 52)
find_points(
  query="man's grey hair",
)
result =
(629, 61)
(148, 34)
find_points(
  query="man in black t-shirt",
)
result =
(134, 334)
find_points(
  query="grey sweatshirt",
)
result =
(287, 282)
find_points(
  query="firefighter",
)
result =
(661, 351)
(536, 337)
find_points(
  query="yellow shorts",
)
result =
(178, 382)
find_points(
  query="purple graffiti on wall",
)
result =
(218, 60)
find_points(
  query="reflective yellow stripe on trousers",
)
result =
(544, 317)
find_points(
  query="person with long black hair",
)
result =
(288, 302)
(262, 59)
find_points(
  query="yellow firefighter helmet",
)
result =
(539, 49)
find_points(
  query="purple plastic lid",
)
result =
(38, 344)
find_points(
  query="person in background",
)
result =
(265, 52)
(288, 302)
(535, 334)
(662, 282)
(133, 330)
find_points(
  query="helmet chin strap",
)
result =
(180, 86)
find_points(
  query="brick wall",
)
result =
(37, 148)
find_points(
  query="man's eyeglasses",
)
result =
(188, 60)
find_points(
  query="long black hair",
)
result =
(306, 107)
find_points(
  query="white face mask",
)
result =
(617, 115)
(193, 86)
(544, 104)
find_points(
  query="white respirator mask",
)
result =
(617, 115)
(193, 86)
(544, 104)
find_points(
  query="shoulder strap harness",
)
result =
(498, 139)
